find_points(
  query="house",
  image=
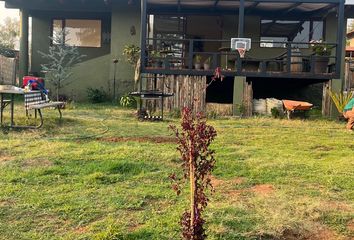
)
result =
(174, 33)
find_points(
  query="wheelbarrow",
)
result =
(291, 106)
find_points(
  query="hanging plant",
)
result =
(194, 139)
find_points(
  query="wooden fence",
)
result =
(188, 91)
(349, 74)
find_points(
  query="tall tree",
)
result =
(9, 32)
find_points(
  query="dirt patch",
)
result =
(37, 162)
(263, 189)
(338, 206)
(350, 226)
(219, 182)
(139, 139)
(81, 230)
(134, 227)
(4, 159)
(321, 148)
(226, 185)
(6, 203)
(324, 234)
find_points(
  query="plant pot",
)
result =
(321, 64)
(206, 66)
(197, 66)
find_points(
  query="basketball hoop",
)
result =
(241, 51)
(241, 45)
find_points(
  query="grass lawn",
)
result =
(100, 174)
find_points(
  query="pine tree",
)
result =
(60, 59)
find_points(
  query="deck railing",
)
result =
(178, 56)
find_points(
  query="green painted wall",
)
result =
(93, 62)
(124, 18)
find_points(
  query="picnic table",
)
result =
(33, 100)
(12, 91)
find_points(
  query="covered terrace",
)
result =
(179, 33)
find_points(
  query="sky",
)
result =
(9, 12)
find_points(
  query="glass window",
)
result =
(57, 27)
(274, 33)
(80, 33)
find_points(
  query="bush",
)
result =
(96, 95)
(175, 113)
(128, 101)
(212, 115)
(275, 112)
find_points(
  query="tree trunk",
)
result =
(57, 93)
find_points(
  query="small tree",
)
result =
(9, 32)
(60, 60)
(198, 162)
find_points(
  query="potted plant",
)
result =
(321, 52)
(340, 100)
(132, 54)
(156, 58)
(197, 63)
(207, 63)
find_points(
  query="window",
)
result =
(80, 33)
(275, 33)
(168, 30)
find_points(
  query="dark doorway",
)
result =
(220, 91)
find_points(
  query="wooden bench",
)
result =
(36, 100)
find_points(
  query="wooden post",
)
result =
(23, 70)
(143, 34)
(326, 99)
(248, 98)
(241, 19)
(340, 36)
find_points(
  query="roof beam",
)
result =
(251, 8)
(296, 1)
(216, 3)
(294, 6)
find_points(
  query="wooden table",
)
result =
(12, 93)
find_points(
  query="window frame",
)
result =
(63, 20)
(311, 21)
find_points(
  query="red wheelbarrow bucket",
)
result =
(292, 105)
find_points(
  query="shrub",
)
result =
(341, 99)
(198, 162)
(175, 113)
(275, 112)
(128, 101)
(212, 115)
(96, 95)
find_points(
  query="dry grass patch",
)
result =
(36, 162)
(153, 139)
(5, 157)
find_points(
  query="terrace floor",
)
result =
(100, 174)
